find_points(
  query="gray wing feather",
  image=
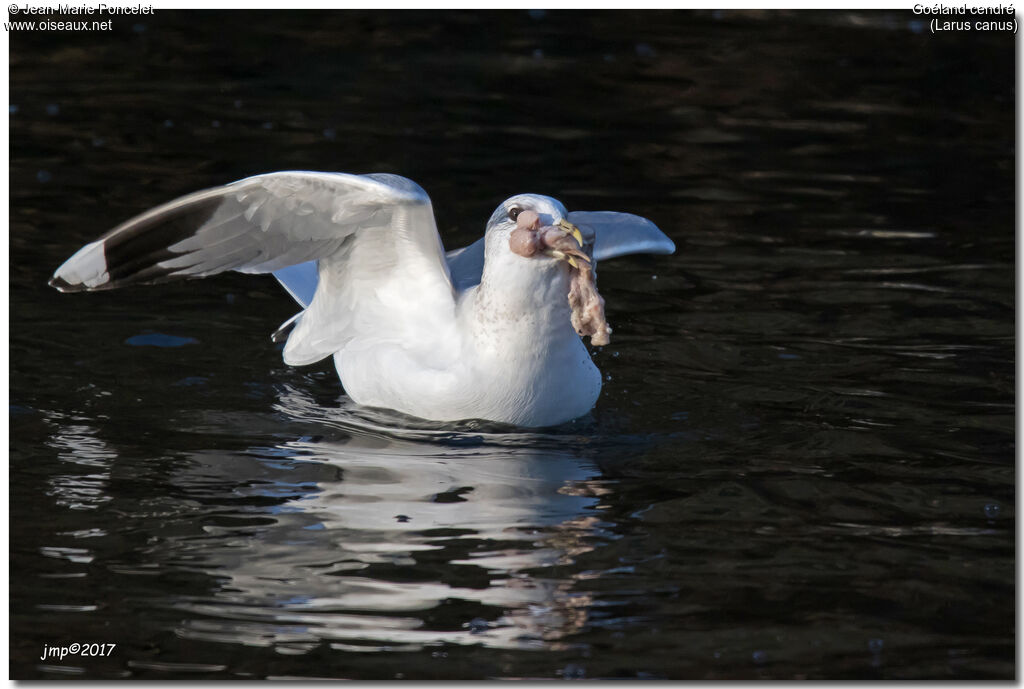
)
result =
(256, 225)
(301, 226)
(621, 234)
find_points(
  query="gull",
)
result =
(490, 331)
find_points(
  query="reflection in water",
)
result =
(84, 488)
(351, 538)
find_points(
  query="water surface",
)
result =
(802, 463)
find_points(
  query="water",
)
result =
(802, 463)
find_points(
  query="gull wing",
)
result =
(466, 265)
(372, 236)
(621, 234)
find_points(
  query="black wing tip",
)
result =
(62, 285)
(148, 277)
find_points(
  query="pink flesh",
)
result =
(528, 220)
(524, 242)
(587, 305)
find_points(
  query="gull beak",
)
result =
(570, 254)
(562, 256)
(566, 251)
(570, 229)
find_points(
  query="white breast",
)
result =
(520, 361)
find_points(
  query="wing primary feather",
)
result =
(308, 225)
(132, 252)
(621, 234)
(249, 225)
(281, 334)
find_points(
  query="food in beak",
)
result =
(564, 241)
(588, 306)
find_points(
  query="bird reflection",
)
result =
(372, 539)
(84, 485)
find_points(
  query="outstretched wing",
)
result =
(373, 236)
(621, 234)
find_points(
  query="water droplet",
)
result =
(645, 50)
(52, 109)
(43, 176)
(992, 510)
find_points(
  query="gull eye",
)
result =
(513, 213)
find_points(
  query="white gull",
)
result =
(482, 332)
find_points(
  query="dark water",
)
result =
(802, 464)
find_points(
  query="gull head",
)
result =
(536, 226)
(530, 237)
